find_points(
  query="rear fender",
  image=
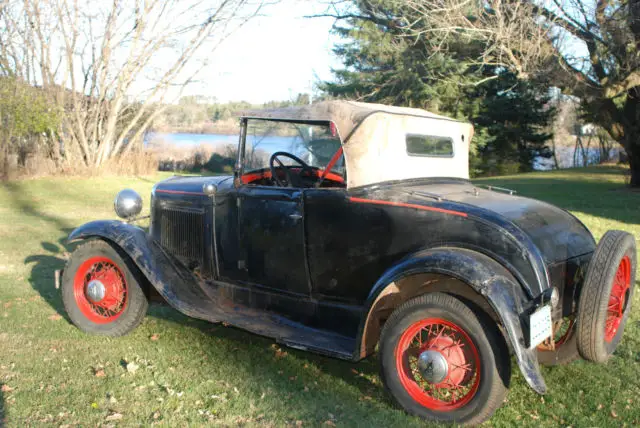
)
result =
(487, 277)
(176, 284)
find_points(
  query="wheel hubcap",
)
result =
(95, 291)
(433, 366)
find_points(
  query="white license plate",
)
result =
(539, 326)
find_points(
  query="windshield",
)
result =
(314, 144)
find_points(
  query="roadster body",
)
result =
(351, 227)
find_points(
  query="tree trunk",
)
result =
(631, 139)
(633, 151)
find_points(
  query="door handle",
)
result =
(295, 216)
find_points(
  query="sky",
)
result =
(272, 57)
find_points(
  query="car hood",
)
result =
(192, 185)
(557, 233)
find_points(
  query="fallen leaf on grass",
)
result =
(113, 417)
(6, 388)
(614, 414)
(55, 317)
(155, 337)
(99, 373)
(132, 367)
(600, 406)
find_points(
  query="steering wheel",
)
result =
(287, 172)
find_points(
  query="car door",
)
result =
(271, 238)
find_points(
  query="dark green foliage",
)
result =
(382, 65)
(516, 120)
(220, 163)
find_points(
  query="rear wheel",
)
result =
(100, 291)
(442, 362)
(606, 296)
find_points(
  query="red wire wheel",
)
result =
(438, 364)
(606, 296)
(618, 299)
(100, 290)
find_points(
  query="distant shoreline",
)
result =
(224, 128)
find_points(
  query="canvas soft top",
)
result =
(374, 138)
(346, 115)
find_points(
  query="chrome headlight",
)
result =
(128, 203)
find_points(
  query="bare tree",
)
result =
(588, 49)
(113, 64)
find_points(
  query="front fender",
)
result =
(487, 277)
(176, 284)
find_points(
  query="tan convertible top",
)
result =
(374, 138)
(346, 115)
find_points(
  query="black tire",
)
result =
(492, 353)
(130, 313)
(563, 354)
(614, 248)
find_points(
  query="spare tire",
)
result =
(606, 296)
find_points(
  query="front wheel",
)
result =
(100, 291)
(442, 362)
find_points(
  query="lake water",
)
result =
(193, 140)
(271, 144)
(188, 141)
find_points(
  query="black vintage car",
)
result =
(351, 227)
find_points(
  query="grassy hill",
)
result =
(192, 372)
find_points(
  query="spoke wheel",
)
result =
(606, 296)
(618, 299)
(100, 290)
(438, 363)
(443, 361)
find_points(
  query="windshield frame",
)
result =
(239, 169)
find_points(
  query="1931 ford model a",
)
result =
(348, 226)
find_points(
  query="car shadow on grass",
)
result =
(290, 372)
(44, 267)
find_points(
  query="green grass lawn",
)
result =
(192, 373)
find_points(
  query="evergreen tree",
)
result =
(516, 119)
(381, 65)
